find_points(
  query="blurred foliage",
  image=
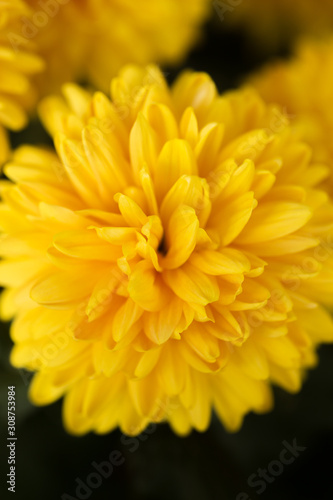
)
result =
(210, 466)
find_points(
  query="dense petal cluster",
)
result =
(307, 98)
(278, 21)
(170, 258)
(16, 70)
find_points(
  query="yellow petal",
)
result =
(144, 146)
(241, 181)
(253, 360)
(176, 159)
(160, 326)
(78, 99)
(12, 116)
(116, 235)
(180, 237)
(149, 190)
(192, 285)
(208, 147)
(191, 191)
(195, 90)
(146, 395)
(226, 261)
(231, 219)
(62, 290)
(16, 272)
(163, 122)
(317, 323)
(85, 245)
(109, 167)
(146, 288)
(77, 169)
(147, 362)
(273, 220)
(200, 412)
(189, 127)
(206, 346)
(125, 317)
(42, 390)
(281, 351)
(171, 371)
(132, 213)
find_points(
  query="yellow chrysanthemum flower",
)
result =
(169, 259)
(277, 21)
(16, 70)
(92, 39)
(304, 88)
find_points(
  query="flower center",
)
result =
(162, 248)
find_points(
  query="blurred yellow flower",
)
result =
(304, 88)
(92, 39)
(44, 43)
(277, 21)
(171, 257)
(16, 70)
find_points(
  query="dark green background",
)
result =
(211, 466)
